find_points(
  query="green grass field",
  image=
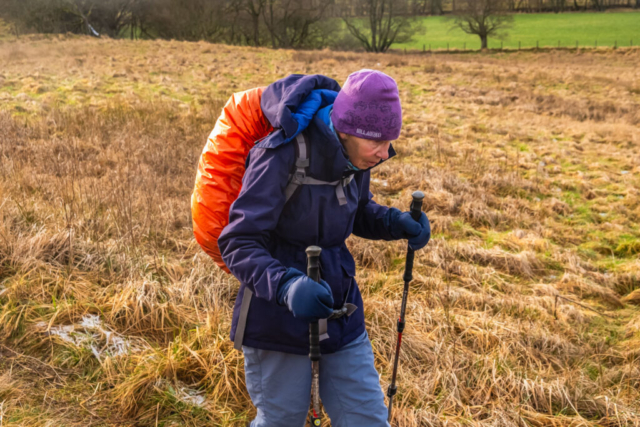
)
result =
(546, 28)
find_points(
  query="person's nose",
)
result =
(383, 153)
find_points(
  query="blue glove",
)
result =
(305, 298)
(402, 226)
(421, 240)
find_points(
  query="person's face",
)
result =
(364, 153)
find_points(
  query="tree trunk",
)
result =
(271, 29)
(483, 42)
(256, 29)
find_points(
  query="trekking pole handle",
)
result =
(313, 271)
(313, 262)
(416, 205)
(416, 212)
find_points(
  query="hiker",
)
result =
(307, 183)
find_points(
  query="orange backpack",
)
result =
(222, 165)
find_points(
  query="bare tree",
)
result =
(75, 14)
(377, 24)
(436, 7)
(484, 18)
(254, 9)
(292, 23)
(429, 7)
(49, 16)
(112, 16)
(186, 19)
(30, 15)
(244, 22)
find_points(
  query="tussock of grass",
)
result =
(95, 177)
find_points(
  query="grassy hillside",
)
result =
(545, 28)
(522, 309)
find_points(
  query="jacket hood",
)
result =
(290, 103)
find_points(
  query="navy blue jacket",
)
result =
(265, 235)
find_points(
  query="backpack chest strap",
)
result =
(299, 177)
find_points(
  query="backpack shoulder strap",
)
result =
(302, 163)
(299, 177)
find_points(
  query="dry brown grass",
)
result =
(110, 314)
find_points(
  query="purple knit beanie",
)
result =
(368, 106)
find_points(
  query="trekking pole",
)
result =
(416, 212)
(313, 271)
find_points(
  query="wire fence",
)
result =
(475, 47)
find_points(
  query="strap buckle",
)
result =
(347, 310)
(299, 176)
